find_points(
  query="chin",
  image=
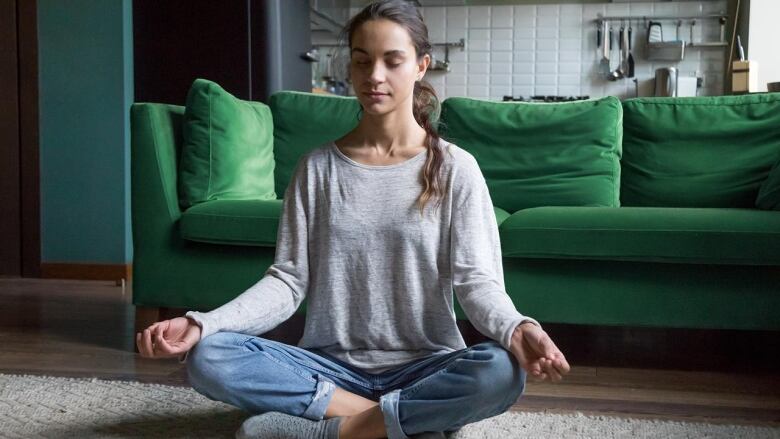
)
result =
(377, 108)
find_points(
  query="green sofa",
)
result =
(641, 212)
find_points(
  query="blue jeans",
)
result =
(439, 393)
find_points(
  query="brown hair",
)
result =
(426, 106)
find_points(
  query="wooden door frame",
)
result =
(28, 137)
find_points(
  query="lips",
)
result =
(376, 94)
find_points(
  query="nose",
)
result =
(377, 73)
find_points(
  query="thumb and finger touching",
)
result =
(556, 357)
(548, 361)
(528, 360)
(165, 338)
(175, 342)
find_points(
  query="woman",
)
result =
(359, 236)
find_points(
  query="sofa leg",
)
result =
(144, 317)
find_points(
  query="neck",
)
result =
(390, 131)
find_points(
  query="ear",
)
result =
(423, 65)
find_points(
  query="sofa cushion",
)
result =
(541, 154)
(228, 147)
(234, 222)
(244, 222)
(501, 214)
(712, 151)
(687, 235)
(303, 121)
(769, 192)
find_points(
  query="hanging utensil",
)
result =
(604, 68)
(741, 49)
(677, 31)
(624, 51)
(611, 73)
(630, 73)
(655, 33)
(598, 37)
(618, 72)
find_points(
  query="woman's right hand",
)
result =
(168, 338)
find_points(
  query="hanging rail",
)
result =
(600, 18)
(461, 43)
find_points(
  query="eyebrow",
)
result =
(389, 52)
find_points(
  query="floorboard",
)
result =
(85, 329)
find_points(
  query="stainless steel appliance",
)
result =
(666, 81)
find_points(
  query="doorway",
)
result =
(20, 253)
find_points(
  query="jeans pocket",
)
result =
(290, 364)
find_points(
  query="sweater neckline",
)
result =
(376, 167)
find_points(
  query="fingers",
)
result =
(152, 343)
(560, 363)
(539, 356)
(538, 372)
(557, 361)
(160, 345)
(543, 369)
(163, 346)
(554, 375)
(144, 341)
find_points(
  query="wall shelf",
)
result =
(709, 44)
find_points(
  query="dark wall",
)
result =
(251, 48)
(10, 168)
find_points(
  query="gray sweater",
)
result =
(378, 277)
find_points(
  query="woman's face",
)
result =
(383, 60)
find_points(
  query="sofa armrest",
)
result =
(155, 144)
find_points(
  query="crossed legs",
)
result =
(238, 369)
(363, 417)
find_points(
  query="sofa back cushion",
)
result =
(712, 151)
(303, 121)
(228, 147)
(541, 154)
(769, 193)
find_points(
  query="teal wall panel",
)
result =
(85, 89)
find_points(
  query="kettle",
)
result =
(666, 81)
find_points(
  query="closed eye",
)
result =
(362, 63)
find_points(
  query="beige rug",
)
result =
(55, 407)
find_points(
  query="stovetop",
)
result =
(542, 98)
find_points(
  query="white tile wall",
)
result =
(524, 50)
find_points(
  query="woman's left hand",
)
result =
(537, 354)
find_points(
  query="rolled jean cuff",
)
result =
(322, 396)
(388, 403)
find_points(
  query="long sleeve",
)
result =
(276, 296)
(477, 270)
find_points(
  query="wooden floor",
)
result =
(85, 329)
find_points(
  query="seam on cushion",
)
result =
(612, 256)
(619, 143)
(257, 243)
(702, 104)
(208, 188)
(159, 169)
(228, 216)
(643, 231)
